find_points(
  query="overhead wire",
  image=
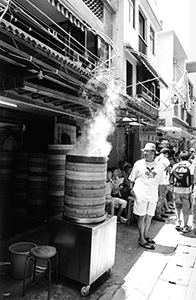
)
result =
(16, 6)
(41, 36)
(52, 30)
(30, 60)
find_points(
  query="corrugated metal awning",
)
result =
(177, 132)
(67, 13)
(148, 67)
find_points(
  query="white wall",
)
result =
(165, 50)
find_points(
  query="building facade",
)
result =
(51, 49)
(135, 29)
(176, 113)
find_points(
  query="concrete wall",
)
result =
(165, 48)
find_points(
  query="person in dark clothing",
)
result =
(125, 185)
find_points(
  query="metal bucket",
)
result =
(19, 252)
(56, 177)
(85, 179)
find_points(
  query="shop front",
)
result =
(176, 138)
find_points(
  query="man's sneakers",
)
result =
(172, 206)
(185, 229)
(178, 225)
(122, 220)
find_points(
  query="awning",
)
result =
(67, 13)
(144, 61)
(148, 67)
(177, 133)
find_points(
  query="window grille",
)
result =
(96, 6)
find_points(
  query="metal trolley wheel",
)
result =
(85, 290)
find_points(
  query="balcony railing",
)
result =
(68, 46)
(56, 37)
(151, 109)
(147, 95)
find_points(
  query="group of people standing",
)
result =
(152, 179)
(159, 186)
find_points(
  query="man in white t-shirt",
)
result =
(146, 177)
(162, 205)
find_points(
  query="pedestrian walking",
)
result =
(194, 210)
(191, 155)
(182, 181)
(162, 204)
(193, 167)
(146, 177)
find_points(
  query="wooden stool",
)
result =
(41, 252)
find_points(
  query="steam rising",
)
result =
(96, 131)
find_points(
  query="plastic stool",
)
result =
(41, 252)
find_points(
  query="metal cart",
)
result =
(86, 251)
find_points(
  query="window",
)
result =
(152, 40)
(176, 110)
(91, 42)
(129, 79)
(142, 31)
(190, 90)
(182, 113)
(132, 12)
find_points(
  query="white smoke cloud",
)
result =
(96, 131)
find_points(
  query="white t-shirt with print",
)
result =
(164, 161)
(147, 177)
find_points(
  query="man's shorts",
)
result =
(142, 208)
(184, 202)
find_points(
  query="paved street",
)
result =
(166, 273)
(169, 272)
